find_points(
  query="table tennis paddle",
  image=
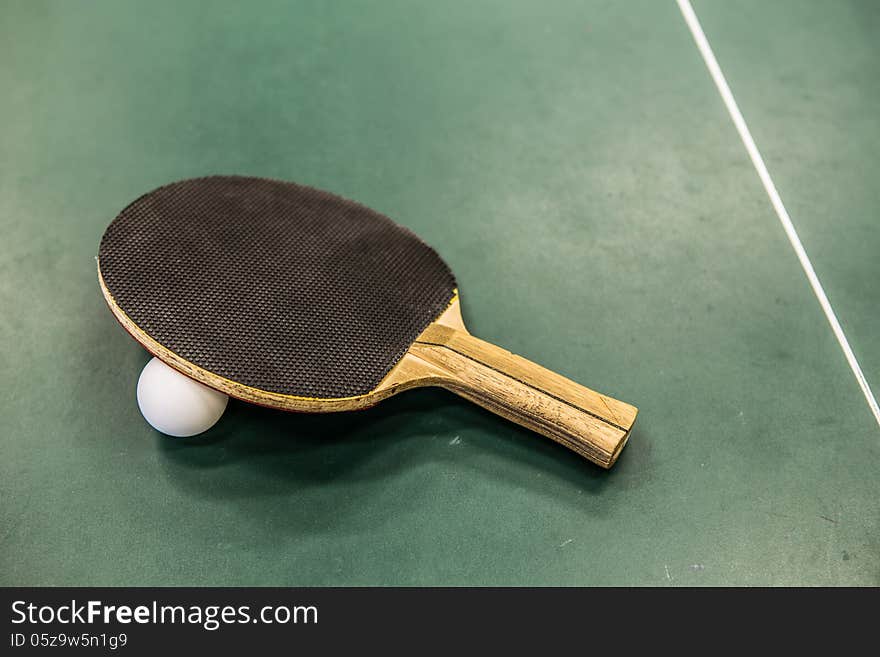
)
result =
(294, 298)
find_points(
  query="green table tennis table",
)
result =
(577, 167)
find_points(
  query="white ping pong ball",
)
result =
(175, 404)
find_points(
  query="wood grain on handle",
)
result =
(591, 424)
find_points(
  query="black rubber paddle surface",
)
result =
(274, 285)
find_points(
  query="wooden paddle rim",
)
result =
(446, 355)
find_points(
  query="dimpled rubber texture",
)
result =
(274, 285)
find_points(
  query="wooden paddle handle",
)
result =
(593, 425)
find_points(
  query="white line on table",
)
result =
(730, 102)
